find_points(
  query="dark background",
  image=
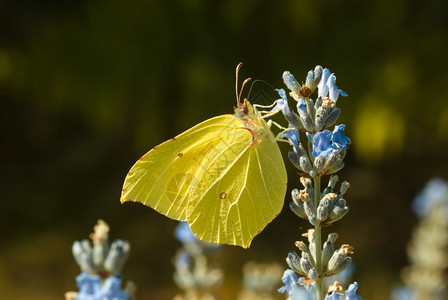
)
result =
(87, 87)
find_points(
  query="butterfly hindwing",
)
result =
(248, 195)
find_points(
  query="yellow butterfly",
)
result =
(225, 176)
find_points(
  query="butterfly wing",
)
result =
(240, 188)
(164, 178)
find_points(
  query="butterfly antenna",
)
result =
(242, 87)
(236, 83)
(258, 80)
(242, 107)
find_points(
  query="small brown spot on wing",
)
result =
(223, 195)
(180, 154)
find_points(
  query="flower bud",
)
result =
(332, 117)
(318, 103)
(338, 211)
(335, 168)
(311, 105)
(293, 119)
(340, 265)
(339, 260)
(295, 196)
(293, 261)
(295, 159)
(305, 117)
(305, 264)
(334, 159)
(291, 82)
(319, 122)
(119, 252)
(311, 242)
(298, 209)
(307, 183)
(317, 76)
(331, 184)
(305, 164)
(309, 82)
(308, 256)
(344, 187)
(328, 248)
(82, 251)
(319, 163)
(322, 211)
(301, 245)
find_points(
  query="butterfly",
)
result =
(224, 176)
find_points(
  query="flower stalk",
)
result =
(322, 154)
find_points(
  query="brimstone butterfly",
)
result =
(225, 176)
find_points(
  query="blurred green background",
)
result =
(87, 87)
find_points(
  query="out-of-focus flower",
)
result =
(192, 274)
(100, 266)
(350, 294)
(260, 280)
(111, 289)
(434, 191)
(292, 289)
(89, 286)
(183, 233)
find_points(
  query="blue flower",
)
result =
(333, 89)
(89, 286)
(322, 86)
(350, 294)
(183, 233)
(327, 86)
(326, 141)
(290, 281)
(322, 143)
(292, 135)
(338, 139)
(291, 287)
(282, 104)
(111, 289)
